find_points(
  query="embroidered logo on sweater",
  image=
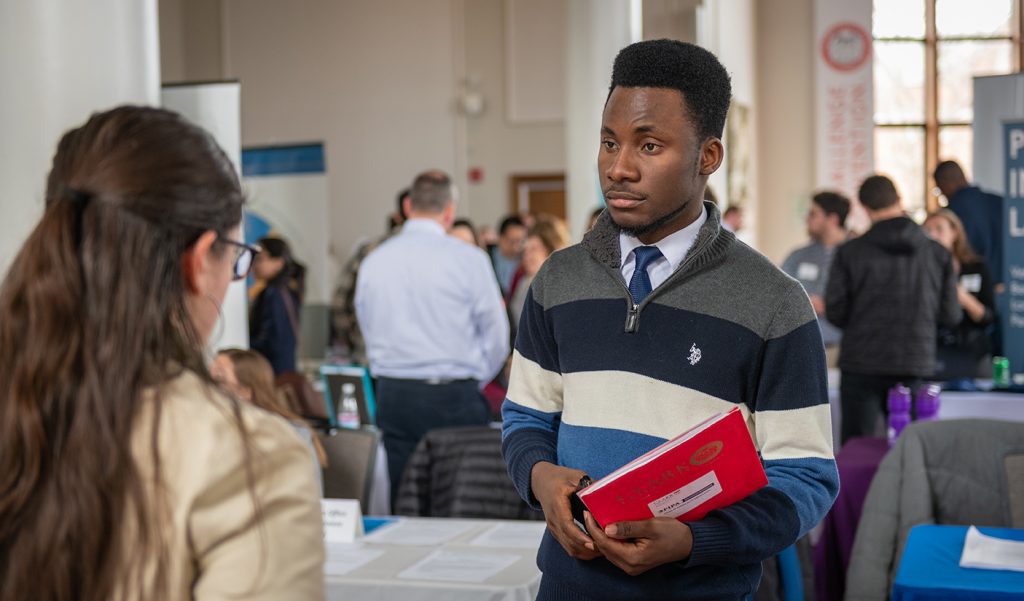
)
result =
(694, 354)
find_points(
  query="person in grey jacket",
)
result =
(826, 227)
(889, 290)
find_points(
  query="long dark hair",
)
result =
(92, 315)
(293, 274)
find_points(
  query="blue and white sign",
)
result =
(1012, 317)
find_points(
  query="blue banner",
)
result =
(1012, 316)
(279, 160)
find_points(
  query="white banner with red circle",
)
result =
(843, 94)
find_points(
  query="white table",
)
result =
(954, 404)
(378, 580)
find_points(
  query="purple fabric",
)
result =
(857, 462)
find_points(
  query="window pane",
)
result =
(899, 154)
(956, 143)
(958, 63)
(898, 18)
(973, 17)
(899, 82)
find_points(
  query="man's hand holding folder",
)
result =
(633, 546)
(712, 465)
(638, 546)
(553, 485)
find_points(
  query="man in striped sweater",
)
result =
(656, 321)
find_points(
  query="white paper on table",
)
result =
(344, 558)
(990, 553)
(419, 533)
(517, 535)
(458, 566)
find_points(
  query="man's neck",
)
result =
(887, 213)
(833, 238)
(435, 217)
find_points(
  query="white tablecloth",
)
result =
(1006, 406)
(378, 580)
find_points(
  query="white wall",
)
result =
(59, 62)
(499, 146)
(727, 28)
(785, 145)
(190, 40)
(374, 81)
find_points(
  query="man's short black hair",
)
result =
(949, 170)
(833, 203)
(405, 193)
(878, 192)
(510, 221)
(695, 72)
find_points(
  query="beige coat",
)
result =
(218, 550)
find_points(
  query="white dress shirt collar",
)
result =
(423, 225)
(673, 249)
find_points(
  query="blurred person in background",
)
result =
(463, 230)
(826, 227)
(125, 471)
(980, 212)
(435, 325)
(276, 312)
(546, 236)
(891, 284)
(732, 219)
(964, 350)
(248, 375)
(345, 335)
(506, 255)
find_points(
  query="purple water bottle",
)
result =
(899, 411)
(927, 403)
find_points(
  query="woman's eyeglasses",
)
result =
(245, 255)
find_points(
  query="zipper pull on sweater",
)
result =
(632, 318)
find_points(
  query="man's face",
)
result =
(817, 222)
(511, 241)
(652, 163)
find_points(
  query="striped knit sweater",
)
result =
(596, 382)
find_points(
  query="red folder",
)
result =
(712, 465)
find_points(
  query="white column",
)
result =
(61, 60)
(598, 29)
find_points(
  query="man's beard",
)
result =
(646, 228)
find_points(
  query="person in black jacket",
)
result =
(889, 290)
(274, 320)
(964, 349)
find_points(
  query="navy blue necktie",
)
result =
(640, 283)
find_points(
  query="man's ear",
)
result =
(193, 261)
(449, 216)
(712, 153)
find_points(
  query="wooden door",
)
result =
(538, 193)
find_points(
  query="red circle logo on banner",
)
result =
(846, 46)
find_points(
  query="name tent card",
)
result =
(343, 520)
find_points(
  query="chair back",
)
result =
(460, 472)
(351, 459)
(943, 472)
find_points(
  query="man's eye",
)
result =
(608, 144)
(650, 147)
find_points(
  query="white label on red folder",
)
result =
(681, 501)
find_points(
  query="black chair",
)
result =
(459, 472)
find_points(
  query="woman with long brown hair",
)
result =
(124, 472)
(963, 351)
(249, 376)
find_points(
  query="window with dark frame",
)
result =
(926, 53)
